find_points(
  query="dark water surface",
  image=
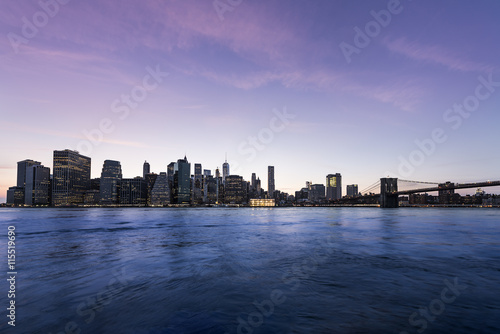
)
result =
(297, 270)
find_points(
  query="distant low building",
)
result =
(15, 196)
(257, 202)
(317, 193)
(352, 190)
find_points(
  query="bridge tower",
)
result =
(387, 187)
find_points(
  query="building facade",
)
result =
(333, 186)
(160, 194)
(316, 193)
(234, 192)
(352, 190)
(198, 197)
(111, 177)
(37, 189)
(182, 182)
(133, 192)
(270, 181)
(146, 169)
(71, 178)
(15, 196)
(225, 171)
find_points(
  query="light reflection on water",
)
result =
(296, 270)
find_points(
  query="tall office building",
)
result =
(37, 188)
(197, 169)
(150, 182)
(197, 184)
(160, 194)
(71, 178)
(254, 182)
(111, 177)
(21, 171)
(207, 173)
(211, 189)
(225, 171)
(352, 190)
(170, 177)
(233, 190)
(146, 169)
(133, 191)
(333, 186)
(182, 182)
(270, 181)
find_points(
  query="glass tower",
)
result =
(71, 178)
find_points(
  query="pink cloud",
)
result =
(435, 54)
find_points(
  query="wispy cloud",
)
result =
(435, 54)
(53, 133)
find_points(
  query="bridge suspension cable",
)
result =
(372, 188)
(424, 182)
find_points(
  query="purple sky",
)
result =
(359, 101)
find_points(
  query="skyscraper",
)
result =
(197, 185)
(146, 169)
(234, 192)
(170, 178)
(21, 171)
(71, 178)
(254, 182)
(352, 190)
(37, 185)
(150, 182)
(225, 171)
(333, 186)
(111, 177)
(182, 182)
(160, 195)
(270, 181)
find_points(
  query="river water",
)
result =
(243, 270)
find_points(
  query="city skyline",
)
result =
(367, 89)
(72, 184)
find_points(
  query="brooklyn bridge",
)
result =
(388, 190)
